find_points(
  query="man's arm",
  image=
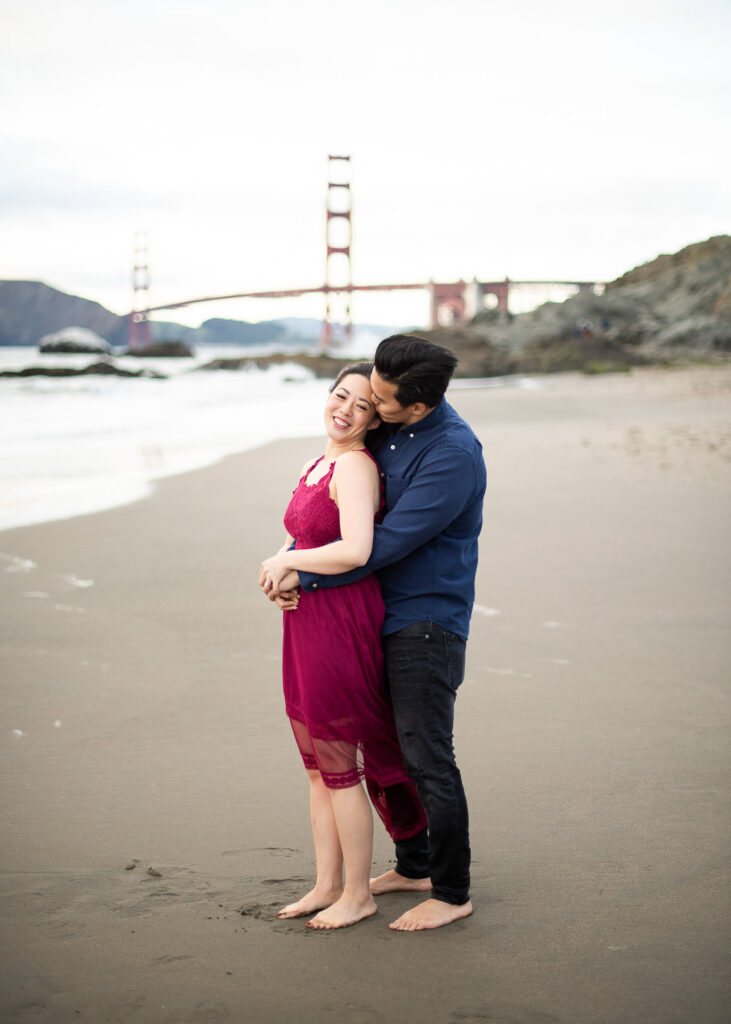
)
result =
(437, 494)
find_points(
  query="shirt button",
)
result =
(411, 435)
(393, 447)
(314, 586)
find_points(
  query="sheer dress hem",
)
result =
(393, 794)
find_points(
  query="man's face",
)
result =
(384, 399)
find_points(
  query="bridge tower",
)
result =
(139, 325)
(448, 303)
(338, 237)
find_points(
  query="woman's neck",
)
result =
(334, 450)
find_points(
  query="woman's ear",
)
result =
(375, 424)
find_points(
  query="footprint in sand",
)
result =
(75, 581)
(13, 563)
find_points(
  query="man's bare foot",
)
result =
(345, 912)
(431, 914)
(392, 881)
(316, 899)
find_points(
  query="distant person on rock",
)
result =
(425, 556)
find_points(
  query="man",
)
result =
(425, 555)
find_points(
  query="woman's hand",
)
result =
(273, 570)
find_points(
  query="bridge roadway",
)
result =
(451, 289)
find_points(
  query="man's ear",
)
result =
(418, 408)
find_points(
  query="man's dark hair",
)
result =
(420, 369)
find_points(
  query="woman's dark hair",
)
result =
(374, 438)
(420, 369)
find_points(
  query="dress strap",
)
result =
(315, 463)
(327, 476)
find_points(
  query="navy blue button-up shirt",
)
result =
(425, 550)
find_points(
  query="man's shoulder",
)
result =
(456, 432)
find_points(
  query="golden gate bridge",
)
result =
(451, 302)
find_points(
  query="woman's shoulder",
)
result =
(357, 463)
(357, 457)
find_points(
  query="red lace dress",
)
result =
(332, 665)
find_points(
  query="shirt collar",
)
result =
(433, 419)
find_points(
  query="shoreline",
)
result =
(141, 486)
(142, 465)
(145, 730)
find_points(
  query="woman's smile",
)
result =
(349, 411)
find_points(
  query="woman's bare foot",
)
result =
(344, 912)
(392, 881)
(431, 914)
(316, 899)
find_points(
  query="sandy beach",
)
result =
(154, 809)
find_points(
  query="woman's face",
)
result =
(349, 410)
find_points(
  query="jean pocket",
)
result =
(416, 631)
(408, 655)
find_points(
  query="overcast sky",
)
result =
(529, 139)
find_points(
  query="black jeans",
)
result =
(424, 666)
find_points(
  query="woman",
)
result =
(333, 665)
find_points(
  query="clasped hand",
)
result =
(272, 572)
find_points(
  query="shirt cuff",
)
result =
(308, 580)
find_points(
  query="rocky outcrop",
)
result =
(162, 350)
(675, 307)
(105, 369)
(75, 339)
(325, 367)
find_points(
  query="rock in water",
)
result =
(95, 369)
(75, 339)
(162, 349)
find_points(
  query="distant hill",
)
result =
(29, 310)
(218, 331)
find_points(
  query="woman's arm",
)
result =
(357, 488)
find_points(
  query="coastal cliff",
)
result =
(674, 307)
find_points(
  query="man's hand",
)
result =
(286, 600)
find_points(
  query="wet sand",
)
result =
(154, 809)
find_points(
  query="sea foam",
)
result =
(74, 445)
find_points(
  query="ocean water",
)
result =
(73, 445)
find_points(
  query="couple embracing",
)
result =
(376, 579)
